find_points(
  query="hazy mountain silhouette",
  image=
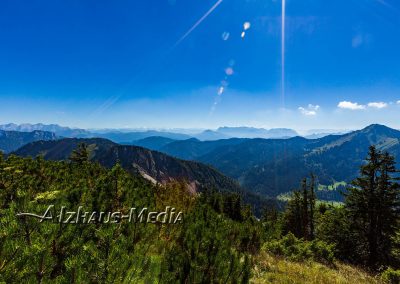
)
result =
(12, 140)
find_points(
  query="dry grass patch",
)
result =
(270, 269)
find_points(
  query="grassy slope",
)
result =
(271, 269)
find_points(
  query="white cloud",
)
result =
(350, 105)
(398, 102)
(310, 110)
(315, 107)
(307, 112)
(378, 105)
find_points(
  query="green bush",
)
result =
(391, 276)
(296, 249)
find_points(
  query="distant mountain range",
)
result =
(12, 140)
(130, 136)
(55, 128)
(112, 134)
(269, 167)
(319, 133)
(251, 132)
(274, 166)
(210, 135)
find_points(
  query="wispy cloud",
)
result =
(378, 105)
(360, 39)
(350, 105)
(310, 110)
(398, 102)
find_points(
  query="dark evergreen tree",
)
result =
(299, 215)
(373, 203)
(81, 154)
(312, 200)
(293, 215)
(305, 209)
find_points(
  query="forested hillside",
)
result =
(217, 240)
(154, 166)
(271, 167)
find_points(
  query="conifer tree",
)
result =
(312, 206)
(80, 154)
(299, 216)
(372, 203)
(304, 209)
(293, 215)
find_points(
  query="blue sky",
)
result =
(101, 63)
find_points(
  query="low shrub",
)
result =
(295, 249)
(391, 276)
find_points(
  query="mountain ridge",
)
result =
(268, 167)
(157, 165)
(12, 140)
(130, 135)
(55, 128)
(274, 166)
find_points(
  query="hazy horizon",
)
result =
(194, 131)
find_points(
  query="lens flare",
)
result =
(229, 71)
(198, 23)
(225, 36)
(283, 53)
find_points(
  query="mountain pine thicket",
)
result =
(208, 247)
(219, 240)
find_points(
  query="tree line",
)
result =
(365, 230)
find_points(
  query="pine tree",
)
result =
(304, 209)
(372, 203)
(299, 216)
(81, 154)
(293, 215)
(312, 206)
(387, 214)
